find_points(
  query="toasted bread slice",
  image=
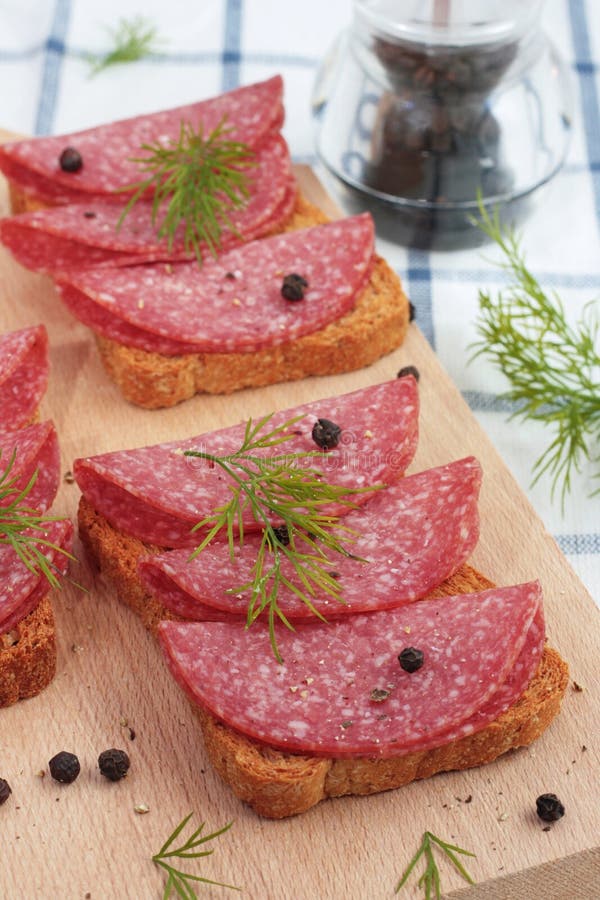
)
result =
(28, 655)
(277, 784)
(375, 326)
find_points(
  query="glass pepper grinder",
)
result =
(426, 107)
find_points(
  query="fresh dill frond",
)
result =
(196, 181)
(430, 879)
(23, 528)
(132, 40)
(286, 497)
(177, 880)
(553, 367)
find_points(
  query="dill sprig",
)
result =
(23, 528)
(553, 367)
(177, 880)
(286, 498)
(196, 181)
(132, 40)
(430, 879)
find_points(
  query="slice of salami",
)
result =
(280, 216)
(89, 234)
(32, 450)
(233, 303)
(508, 692)
(23, 375)
(21, 589)
(326, 698)
(253, 113)
(413, 536)
(157, 494)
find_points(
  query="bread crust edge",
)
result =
(28, 655)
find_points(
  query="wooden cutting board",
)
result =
(112, 689)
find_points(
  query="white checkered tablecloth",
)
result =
(213, 46)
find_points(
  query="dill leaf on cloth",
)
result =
(552, 364)
(132, 40)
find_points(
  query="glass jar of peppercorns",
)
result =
(428, 106)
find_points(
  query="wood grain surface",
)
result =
(112, 689)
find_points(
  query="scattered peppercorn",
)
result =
(412, 313)
(411, 659)
(326, 434)
(549, 808)
(64, 767)
(89, 214)
(282, 534)
(293, 287)
(114, 764)
(5, 791)
(70, 160)
(409, 370)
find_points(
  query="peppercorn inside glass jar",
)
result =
(427, 106)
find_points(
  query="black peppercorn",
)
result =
(409, 370)
(5, 791)
(70, 160)
(411, 659)
(293, 287)
(114, 764)
(549, 808)
(64, 767)
(89, 214)
(326, 434)
(412, 312)
(282, 534)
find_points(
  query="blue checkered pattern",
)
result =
(213, 46)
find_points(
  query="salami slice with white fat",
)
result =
(90, 233)
(409, 537)
(158, 494)
(23, 375)
(252, 113)
(507, 693)
(233, 303)
(341, 691)
(28, 453)
(21, 589)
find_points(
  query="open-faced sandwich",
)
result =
(330, 631)
(130, 215)
(33, 545)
